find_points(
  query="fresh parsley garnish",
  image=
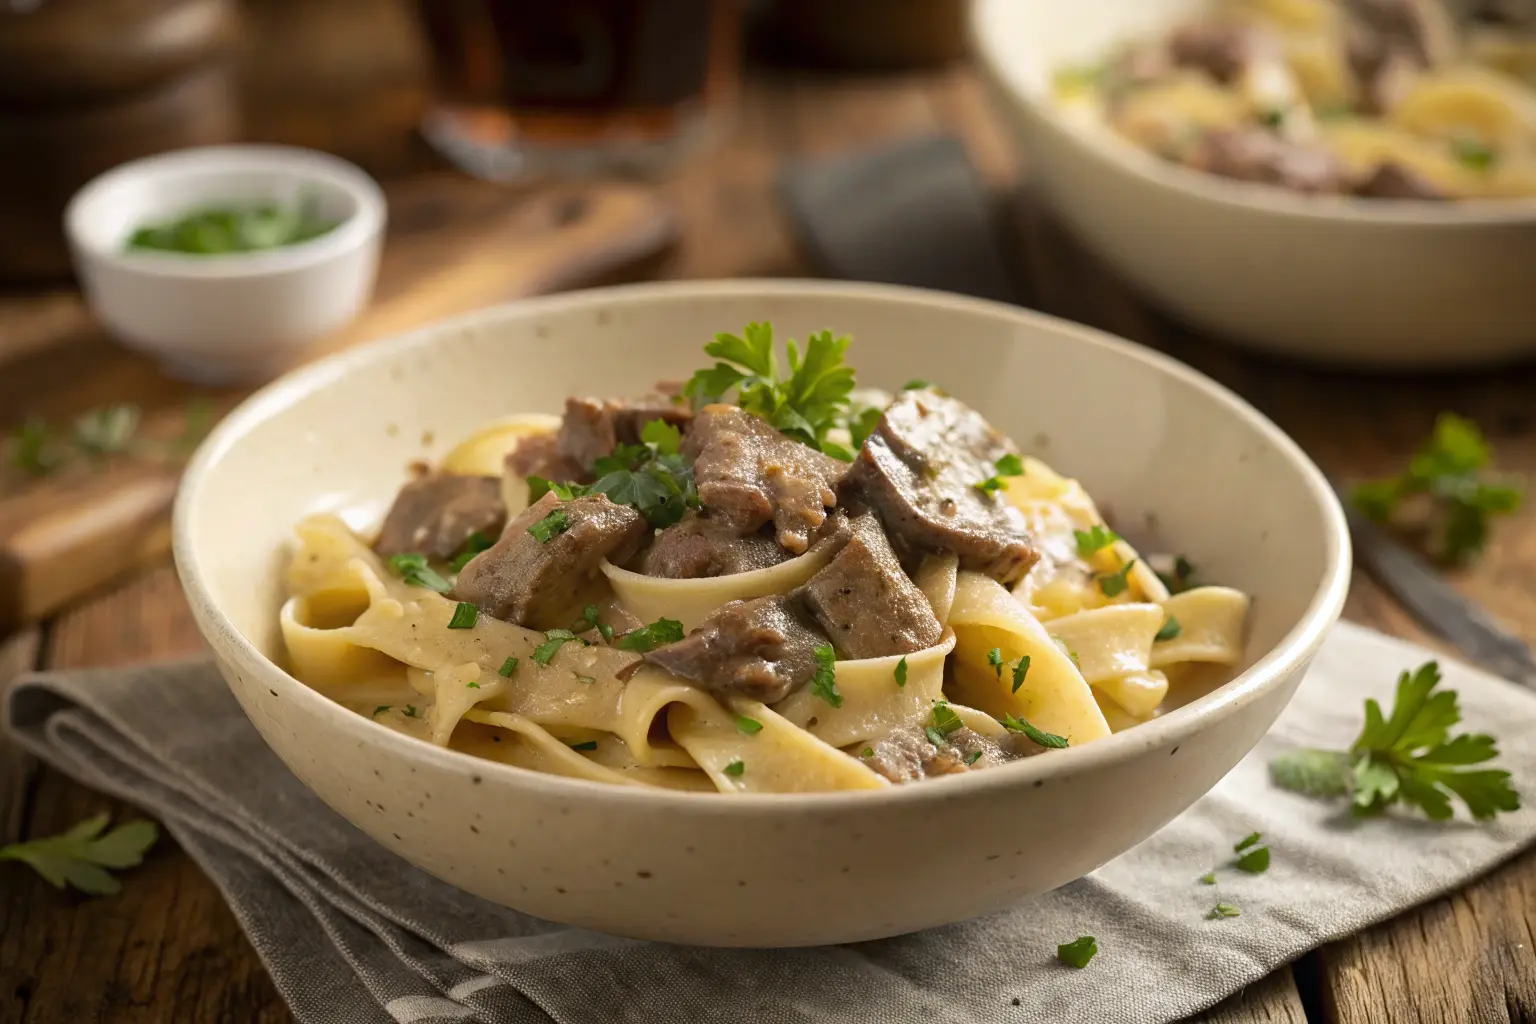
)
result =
(1112, 584)
(1078, 952)
(554, 639)
(1170, 630)
(1274, 117)
(972, 758)
(735, 768)
(1007, 464)
(585, 745)
(476, 543)
(824, 682)
(1209, 878)
(995, 659)
(465, 615)
(473, 685)
(1409, 757)
(507, 668)
(1045, 739)
(412, 567)
(107, 430)
(410, 711)
(1223, 909)
(867, 752)
(580, 678)
(748, 726)
(1475, 154)
(648, 638)
(945, 721)
(38, 450)
(1069, 652)
(1449, 468)
(233, 228)
(550, 527)
(652, 477)
(1181, 577)
(589, 616)
(1255, 861)
(806, 405)
(1094, 539)
(380, 710)
(81, 856)
(916, 385)
(1020, 670)
(901, 671)
(1251, 839)
(862, 423)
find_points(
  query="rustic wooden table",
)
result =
(167, 948)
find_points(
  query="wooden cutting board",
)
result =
(454, 245)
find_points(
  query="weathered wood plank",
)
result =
(1271, 1001)
(166, 948)
(18, 654)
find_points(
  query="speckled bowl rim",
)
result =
(1296, 648)
(1007, 75)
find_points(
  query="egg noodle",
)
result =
(1102, 635)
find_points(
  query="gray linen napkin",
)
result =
(352, 933)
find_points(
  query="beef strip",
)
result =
(763, 649)
(1253, 154)
(866, 603)
(1423, 29)
(748, 473)
(590, 429)
(1220, 49)
(1394, 181)
(699, 546)
(919, 473)
(436, 514)
(908, 755)
(540, 455)
(532, 583)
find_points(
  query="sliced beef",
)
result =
(1222, 50)
(1394, 181)
(436, 514)
(909, 755)
(1256, 155)
(1423, 29)
(749, 474)
(534, 583)
(919, 473)
(590, 429)
(540, 456)
(699, 546)
(866, 603)
(763, 649)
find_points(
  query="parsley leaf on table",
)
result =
(1449, 469)
(81, 856)
(1407, 757)
(1078, 952)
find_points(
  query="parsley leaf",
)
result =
(995, 659)
(1181, 576)
(653, 477)
(972, 758)
(412, 567)
(824, 682)
(735, 769)
(1114, 583)
(1474, 153)
(507, 668)
(1078, 952)
(862, 423)
(916, 385)
(1007, 464)
(1251, 839)
(476, 543)
(465, 615)
(585, 745)
(867, 752)
(1170, 631)
(589, 616)
(410, 711)
(107, 430)
(1255, 861)
(748, 726)
(1449, 468)
(945, 720)
(806, 404)
(1221, 910)
(1019, 672)
(648, 638)
(379, 710)
(1049, 740)
(1407, 757)
(1094, 539)
(1209, 878)
(550, 527)
(554, 639)
(901, 671)
(80, 856)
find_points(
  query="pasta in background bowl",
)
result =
(1224, 156)
(564, 785)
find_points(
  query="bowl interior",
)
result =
(1176, 462)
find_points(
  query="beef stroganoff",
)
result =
(1389, 99)
(750, 583)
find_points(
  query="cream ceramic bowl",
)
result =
(1179, 462)
(1362, 282)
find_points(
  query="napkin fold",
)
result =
(352, 933)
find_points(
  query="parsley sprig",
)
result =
(1449, 468)
(1407, 757)
(648, 638)
(824, 682)
(1049, 740)
(81, 856)
(653, 477)
(412, 567)
(806, 405)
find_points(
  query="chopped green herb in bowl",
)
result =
(232, 228)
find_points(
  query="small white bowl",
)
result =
(1366, 282)
(1185, 465)
(226, 318)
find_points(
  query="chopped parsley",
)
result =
(1407, 757)
(1209, 878)
(1221, 910)
(476, 543)
(1069, 652)
(748, 726)
(735, 768)
(1170, 631)
(972, 758)
(465, 615)
(862, 423)
(1007, 464)
(1045, 739)
(380, 710)
(550, 527)
(230, 228)
(554, 639)
(1251, 839)
(1274, 117)
(648, 638)
(1474, 154)
(652, 477)
(1255, 861)
(901, 671)
(81, 856)
(412, 567)
(589, 616)
(585, 745)
(867, 752)
(1019, 672)
(107, 430)
(1115, 583)
(995, 659)
(1094, 539)
(1181, 577)
(589, 680)
(410, 711)
(806, 405)
(1078, 952)
(945, 721)
(824, 682)
(507, 668)
(1450, 469)
(916, 385)
(473, 686)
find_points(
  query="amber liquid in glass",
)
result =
(569, 86)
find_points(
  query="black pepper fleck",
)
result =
(642, 874)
